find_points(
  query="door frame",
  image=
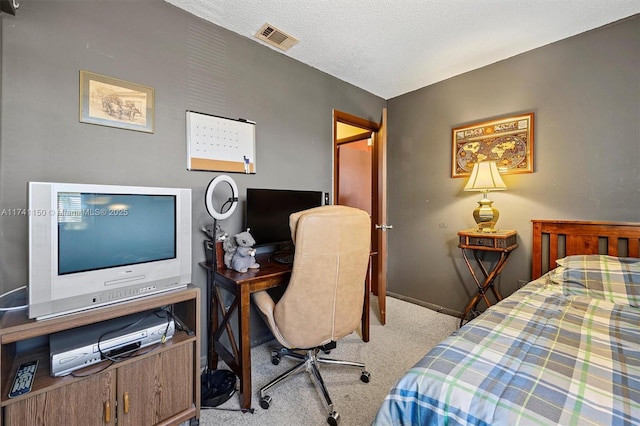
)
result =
(378, 258)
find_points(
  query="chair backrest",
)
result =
(324, 298)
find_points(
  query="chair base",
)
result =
(310, 362)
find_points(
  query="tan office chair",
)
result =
(324, 298)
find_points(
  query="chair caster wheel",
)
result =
(334, 418)
(265, 402)
(275, 360)
(365, 376)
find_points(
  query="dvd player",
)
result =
(80, 347)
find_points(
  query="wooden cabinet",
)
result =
(153, 389)
(159, 386)
(85, 402)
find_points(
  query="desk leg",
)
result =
(244, 319)
(226, 315)
(238, 358)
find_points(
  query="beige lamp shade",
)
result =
(485, 177)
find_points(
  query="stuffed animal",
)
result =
(244, 257)
(217, 234)
(220, 233)
(229, 245)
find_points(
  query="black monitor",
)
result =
(268, 211)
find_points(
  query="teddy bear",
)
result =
(243, 257)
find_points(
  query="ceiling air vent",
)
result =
(276, 37)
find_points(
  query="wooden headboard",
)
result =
(554, 239)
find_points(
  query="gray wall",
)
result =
(585, 92)
(192, 65)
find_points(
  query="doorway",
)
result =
(360, 181)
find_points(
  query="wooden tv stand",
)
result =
(158, 387)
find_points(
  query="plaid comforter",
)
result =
(564, 349)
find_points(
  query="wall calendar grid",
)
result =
(220, 144)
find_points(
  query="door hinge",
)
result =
(384, 227)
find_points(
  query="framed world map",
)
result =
(507, 141)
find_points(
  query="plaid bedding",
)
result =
(554, 352)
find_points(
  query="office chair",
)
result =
(323, 300)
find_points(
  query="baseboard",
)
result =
(433, 307)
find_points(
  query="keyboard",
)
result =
(286, 258)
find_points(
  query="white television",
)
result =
(94, 245)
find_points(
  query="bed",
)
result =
(564, 349)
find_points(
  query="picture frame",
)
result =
(507, 140)
(108, 101)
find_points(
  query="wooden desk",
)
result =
(501, 241)
(241, 285)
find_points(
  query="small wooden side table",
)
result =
(501, 241)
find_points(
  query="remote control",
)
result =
(24, 379)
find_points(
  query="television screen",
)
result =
(268, 211)
(93, 245)
(97, 231)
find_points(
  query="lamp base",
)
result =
(487, 227)
(486, 215)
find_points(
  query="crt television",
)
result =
(93, 245)
(268, 210)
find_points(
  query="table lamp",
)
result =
(485, 177)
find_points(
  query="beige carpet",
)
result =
(411, 330)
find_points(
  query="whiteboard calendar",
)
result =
(220, 144)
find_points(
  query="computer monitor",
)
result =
(268, 211)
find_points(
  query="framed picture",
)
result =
(507, 141)
(111, 102)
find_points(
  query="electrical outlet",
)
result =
(326, 198)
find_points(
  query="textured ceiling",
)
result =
(391, 47)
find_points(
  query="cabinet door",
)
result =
(86, 402)
(156, 388)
